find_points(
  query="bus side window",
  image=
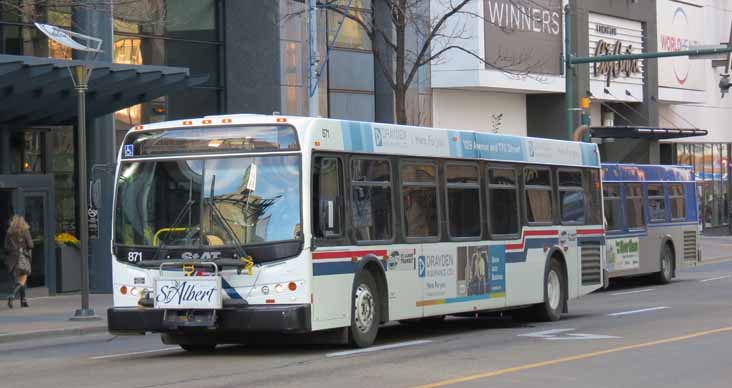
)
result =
(676, 201)
(571, 197)
(656, 203)
(538, 195)
(634, 205)
(327, 197)
(371, 208)
(419, 200)
(613, 208)
(463, 196)
(503, 202)
(595, 198)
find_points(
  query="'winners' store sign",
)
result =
(611, 36)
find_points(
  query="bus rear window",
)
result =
(177, 141)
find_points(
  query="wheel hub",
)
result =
(553, 290)
(364, 309)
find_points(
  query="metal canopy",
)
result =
(40, 91)
(644, 133)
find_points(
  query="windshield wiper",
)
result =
(237, 243)
(178, 219)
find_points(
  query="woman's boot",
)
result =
(13, 292)
(23, 301)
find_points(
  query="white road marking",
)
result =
(717, 278)
(377, 348)
(558, 335)
(134, 353)
(637, 311)
(545, 333)
(633, 292)
(580, 336)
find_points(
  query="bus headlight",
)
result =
(279, 288)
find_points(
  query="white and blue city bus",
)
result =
(231, 225)
(651, 217)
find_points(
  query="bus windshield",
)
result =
(208, 202)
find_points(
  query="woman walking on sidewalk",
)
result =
(18, 245)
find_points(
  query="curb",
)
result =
(50, 333)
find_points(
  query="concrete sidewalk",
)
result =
(49, 317)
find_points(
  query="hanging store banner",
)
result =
(618, 80)
(523, 35)
(680, 28)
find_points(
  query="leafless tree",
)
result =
(439, 34)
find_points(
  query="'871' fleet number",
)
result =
(134, 257)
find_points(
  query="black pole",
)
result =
(85, 312)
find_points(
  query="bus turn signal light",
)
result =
(123, 290)
(292, 286)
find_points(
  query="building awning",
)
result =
(40, 91)
(644, 133)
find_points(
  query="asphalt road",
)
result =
(632, 335)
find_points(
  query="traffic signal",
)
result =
(724, 84)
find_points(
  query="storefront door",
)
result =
(31, 195)
(36, 206)
(6, 211)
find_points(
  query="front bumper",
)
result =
(252, 318)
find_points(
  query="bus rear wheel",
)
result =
(365, 316)
(555, 286)
(667, 265)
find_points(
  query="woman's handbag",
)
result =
(24, 261)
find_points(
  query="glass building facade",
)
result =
(173, 33)
(181, 33)
(710, 162)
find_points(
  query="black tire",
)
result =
(555, 286)
(365, 314)
(666, 264)
(198, 348)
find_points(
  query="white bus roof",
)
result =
(390, 139)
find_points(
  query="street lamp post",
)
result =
(80, 74)
(81, 80)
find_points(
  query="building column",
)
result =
(94, 18)
(5, 157)
(252, 57)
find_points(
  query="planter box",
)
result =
(68, 268)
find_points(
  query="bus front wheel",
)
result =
(365, 316)
(555, 286)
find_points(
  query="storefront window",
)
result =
(180, 33)
(351, 35)
(61, 144)
(710, 163)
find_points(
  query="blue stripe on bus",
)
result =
(229, 289)
(531, 243)
(333, 268)
(662, 224)
(590, 156)
(357, 136)
(623, 234)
